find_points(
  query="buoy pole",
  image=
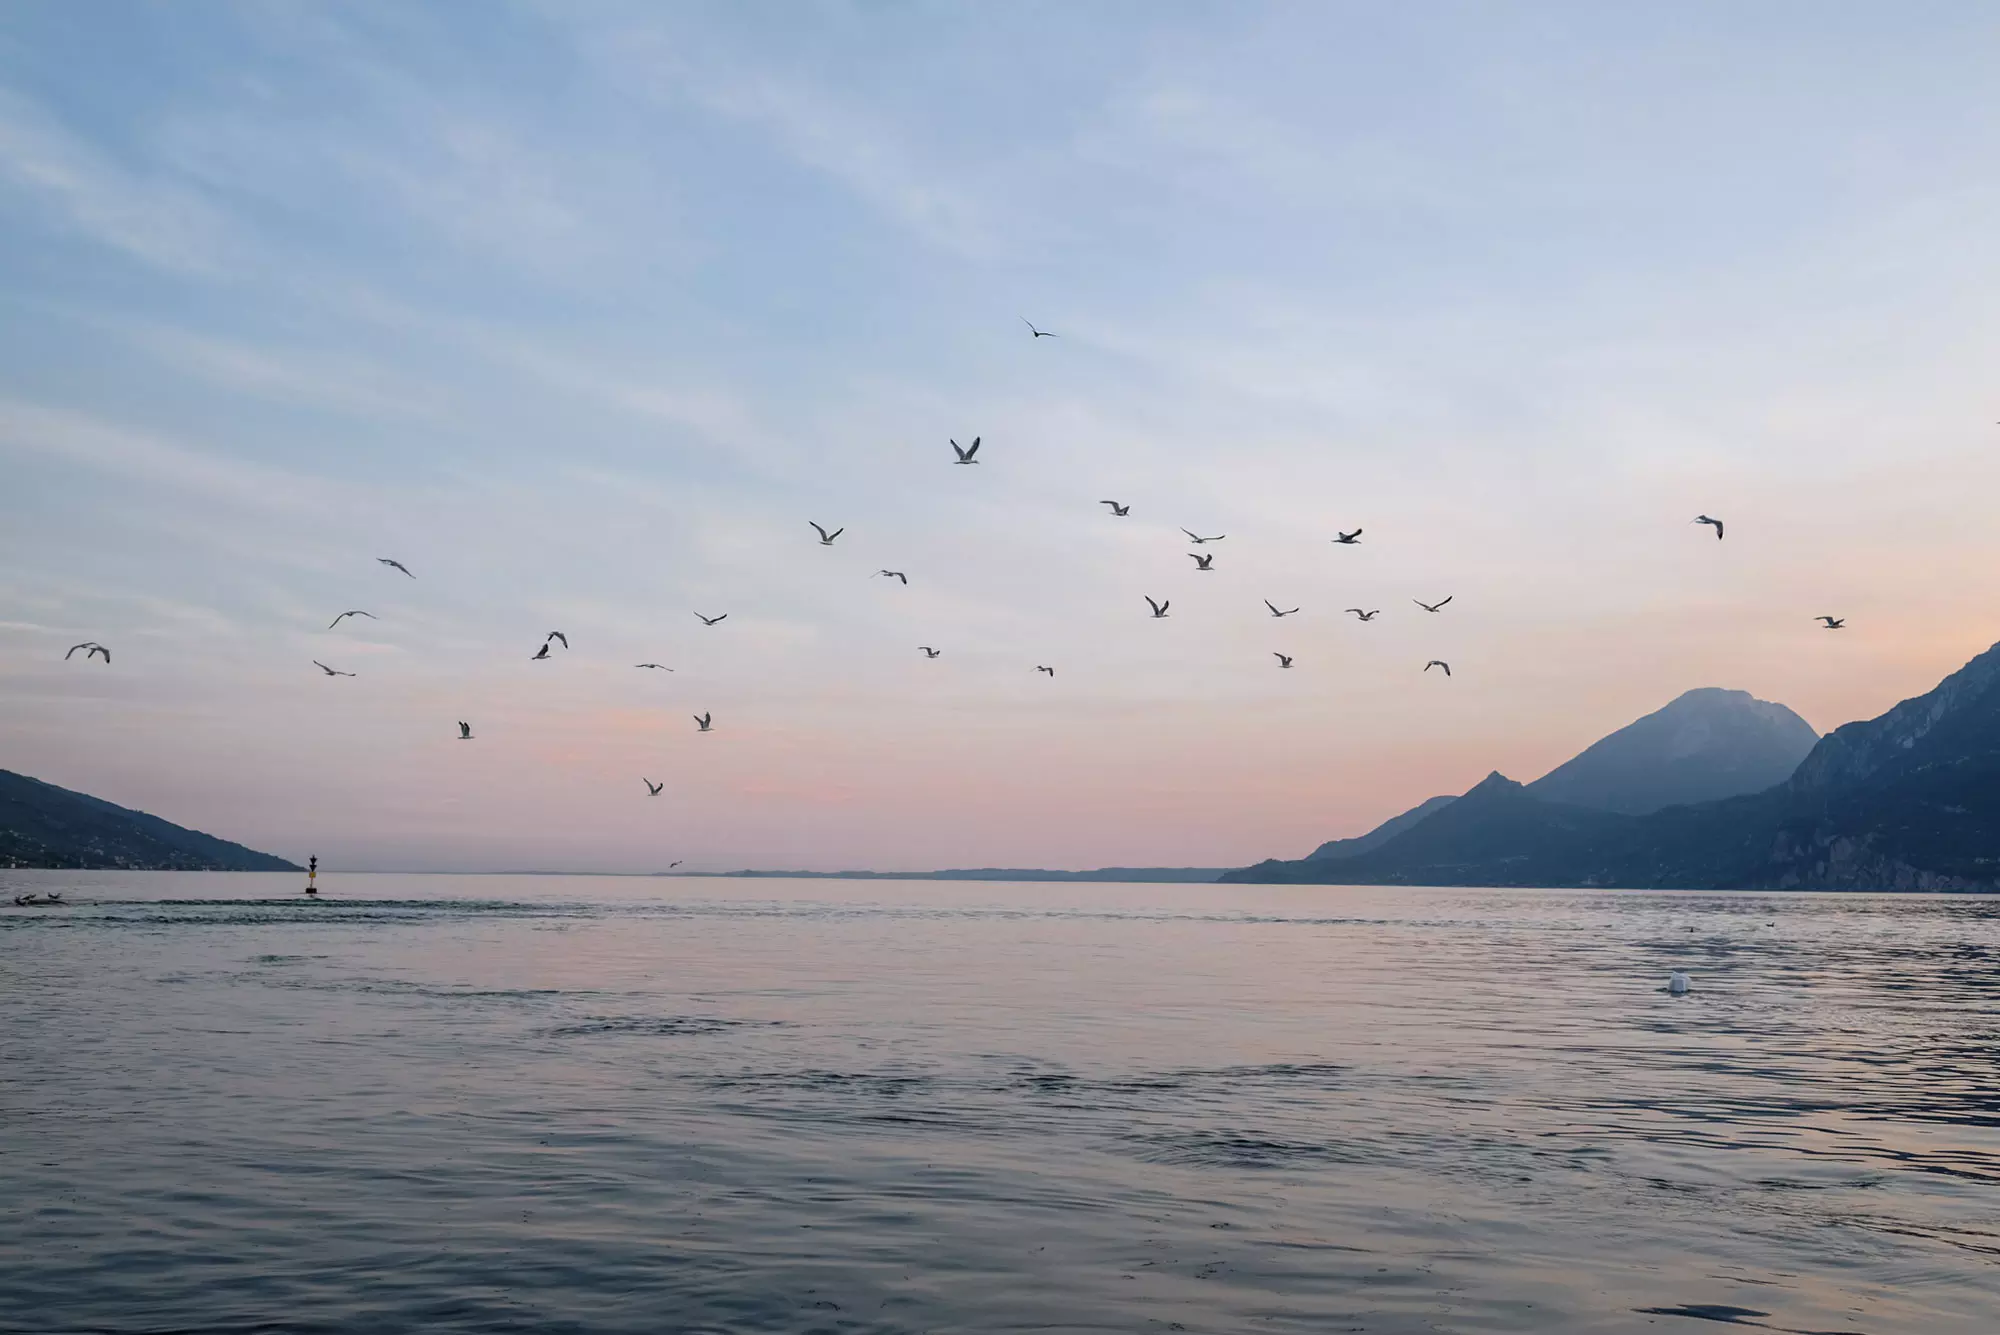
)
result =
(312, 874)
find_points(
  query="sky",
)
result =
(583, 311)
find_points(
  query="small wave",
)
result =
(661, 1026)
(1222, 1149)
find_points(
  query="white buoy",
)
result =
(1677, 982)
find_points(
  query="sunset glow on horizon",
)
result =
(585, 313)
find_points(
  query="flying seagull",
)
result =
(825, 538)
(895, 574)
(1284, 660)
(1832, 623)
(397, 565)
(1199, 540)
(344, 615)
(1120, 511)
(1715, 523)
(1274, 609)
(1366, 616)
(1438, 662)
(557, 635)
(710, 621)
(675, 863)
(91, 645)
(964, 454)
(702, 719)
(541, 653)
(929, 652)
(1348, 539)
(1203, 562)
(464, 731)
(1159, 609)
(1038, 333)
(652, 789)
(1431, 607)
(329, 671)
(659, 666)
(1039, 668)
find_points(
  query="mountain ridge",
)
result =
(42, 825)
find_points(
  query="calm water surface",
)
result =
(605, 1105)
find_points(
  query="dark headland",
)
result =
(42, 825)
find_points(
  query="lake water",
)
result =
(495, 1103)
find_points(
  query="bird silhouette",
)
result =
(329, 671)
(965, 454)
(675, 863)
(395, 565)
(662, 667)
(652, 789)
(1832, 623)
(464, 731)
(895, 574)
(1039, 668)
(1274, 609)
(344, 615)
(1038, 333)
(1284, 660)
(1715, 523)
(1348, 539)
(929, 652)
(1438, 662)
(710, 621)
(1431, 607)
(1203, 562)
(557, 635)
(541, 653)
(1159, 609)
(702, 720)
(1120, 511)
(1199, 540)
(93, 646)
(825, 538)
(1366, 616)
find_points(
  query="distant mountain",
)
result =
(1907, 801)
(42, 825)
(1381, 834)
(1707, 744)
(1178, 875)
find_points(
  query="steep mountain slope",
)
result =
(1907, 801)
(1707, 744)
(1381, 834)
(42, 825)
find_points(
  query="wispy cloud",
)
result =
(65, 180)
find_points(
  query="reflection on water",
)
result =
(604, 1104)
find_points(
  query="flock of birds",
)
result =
(965, 455)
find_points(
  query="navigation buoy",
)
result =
(1677, 982)
(312, 874)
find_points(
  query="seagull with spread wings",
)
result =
(1348, 539)
(1118, 511)
(1284, 660)
(330, 671)
(1159, 609)
(1365, 616)
(395, 565)
(1203, 562)
(965, 454)
(652, 789)
(1432, 607)
(1198, 540)
(1038, 333)
(1274, 609)
(895, 574)
(658, 667)
(1438, 662)
(710, 621)
(356, 613)
(1716, 524)
(703, 721)
(825, 538)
